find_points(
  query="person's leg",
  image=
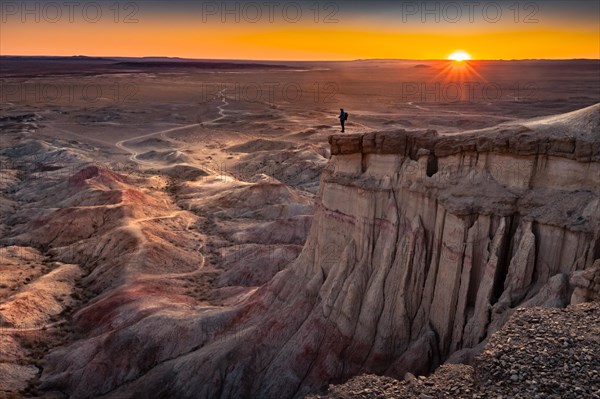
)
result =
(342, 122)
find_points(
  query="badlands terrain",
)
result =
(203, 230)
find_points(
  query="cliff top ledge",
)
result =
(574, 135)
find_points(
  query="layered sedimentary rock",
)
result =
(421, 245)
(507, 216)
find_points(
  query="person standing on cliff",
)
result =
(343, 116)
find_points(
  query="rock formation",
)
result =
(421, 245)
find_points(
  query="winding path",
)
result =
(12, 330)
(134, 154)
(121, 144)
(221, 109)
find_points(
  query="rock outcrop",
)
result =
(421, 245)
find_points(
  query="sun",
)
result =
(459, 56)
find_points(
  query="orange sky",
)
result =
(354, 36)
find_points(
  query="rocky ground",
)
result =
(540, 353)
(84, 237)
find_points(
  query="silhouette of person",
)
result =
(343, 117)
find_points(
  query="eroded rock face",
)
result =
(421, 245)
(587, 284)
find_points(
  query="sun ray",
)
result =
(458, 70)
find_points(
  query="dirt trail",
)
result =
(121, 144)
(163, 133)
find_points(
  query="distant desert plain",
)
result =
(202, 229)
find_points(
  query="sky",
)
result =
(303, 30)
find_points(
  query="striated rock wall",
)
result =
(480, 223)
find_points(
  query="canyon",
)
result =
(421, 246)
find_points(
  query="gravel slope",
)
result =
(540, 353)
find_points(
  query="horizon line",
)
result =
(290, 60)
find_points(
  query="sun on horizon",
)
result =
(459, 56)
